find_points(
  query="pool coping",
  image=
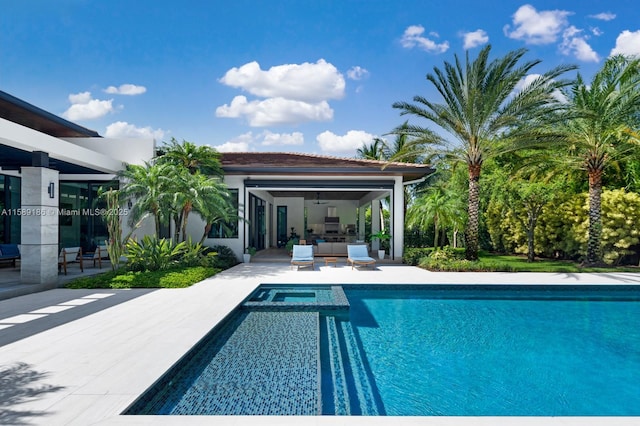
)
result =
(97, 365)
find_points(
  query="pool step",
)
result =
(347, 390)
(337, 387)
(363, 387)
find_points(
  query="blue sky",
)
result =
(302, 76)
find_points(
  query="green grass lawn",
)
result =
(170, 278)
(520, 264)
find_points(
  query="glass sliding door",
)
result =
(281, 226)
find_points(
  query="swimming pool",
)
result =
(414, 350)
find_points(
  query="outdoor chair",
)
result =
(358, 255)
(97, 256)
(70, 255)
(302, 256)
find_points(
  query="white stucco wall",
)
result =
(126, 150)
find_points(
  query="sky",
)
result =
(296, 76)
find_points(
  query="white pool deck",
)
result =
(81, 357)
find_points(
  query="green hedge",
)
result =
(169, 278)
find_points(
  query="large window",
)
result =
(227, 229)
(80, 221)
(9, 204)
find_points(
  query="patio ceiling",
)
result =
(324, 195)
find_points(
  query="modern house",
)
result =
(51, 170)
(50, 173)
(313, 197)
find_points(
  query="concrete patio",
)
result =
(79, 357)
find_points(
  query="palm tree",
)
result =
(484, 105)
(198, 193)
(150, 185)
(601, 129)
(439, 205)
(373, 151)
(195, 158)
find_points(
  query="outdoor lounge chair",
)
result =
(358, 255)
(97, 256)
(302, 256)
(69, 255)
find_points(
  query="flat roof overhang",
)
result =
(28, 115)
(17, 143)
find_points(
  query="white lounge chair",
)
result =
(358, 255)
(302, 256)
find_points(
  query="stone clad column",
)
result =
(39, 231)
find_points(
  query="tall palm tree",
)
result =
(150, 185)
(602, 128)
(195, 158)
(372, 151)
(485, 103)
(196, 192)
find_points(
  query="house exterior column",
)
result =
(397, 215)
(375, 223)
(362, 210)
(39, 231)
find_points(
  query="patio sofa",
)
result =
(332, 249)
(9, 253)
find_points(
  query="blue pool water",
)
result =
(414, 350)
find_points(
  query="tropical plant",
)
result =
(152, 254)
(150, 186)
(199, 193)
(602, 128)
(439, 206)
(194, 158)
(113, 218)
(531, 198)
(384, 237)
(485, 105)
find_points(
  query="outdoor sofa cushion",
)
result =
(9, 252)
(358, 255)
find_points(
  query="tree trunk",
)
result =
(595, 216)
(471, 251)
(207, 229)
(530, 235)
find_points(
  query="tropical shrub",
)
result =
(169, 278)
(220, 257)
(152, 254)
(562, 230)
(413, 255)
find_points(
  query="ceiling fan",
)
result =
(318, 199)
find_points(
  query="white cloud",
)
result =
(241, 143)
(537, 27)
(308, 82)
(627, 43)
(232, 147)
(83, 107)
(475, 38)
(275, 111)
(530, 78)
(80, 98)
(269, 138)
(350, 142)
(413, 37)
(604, 16)
(357, 73)
(122, 129)
(574, 43)
(126, 89)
